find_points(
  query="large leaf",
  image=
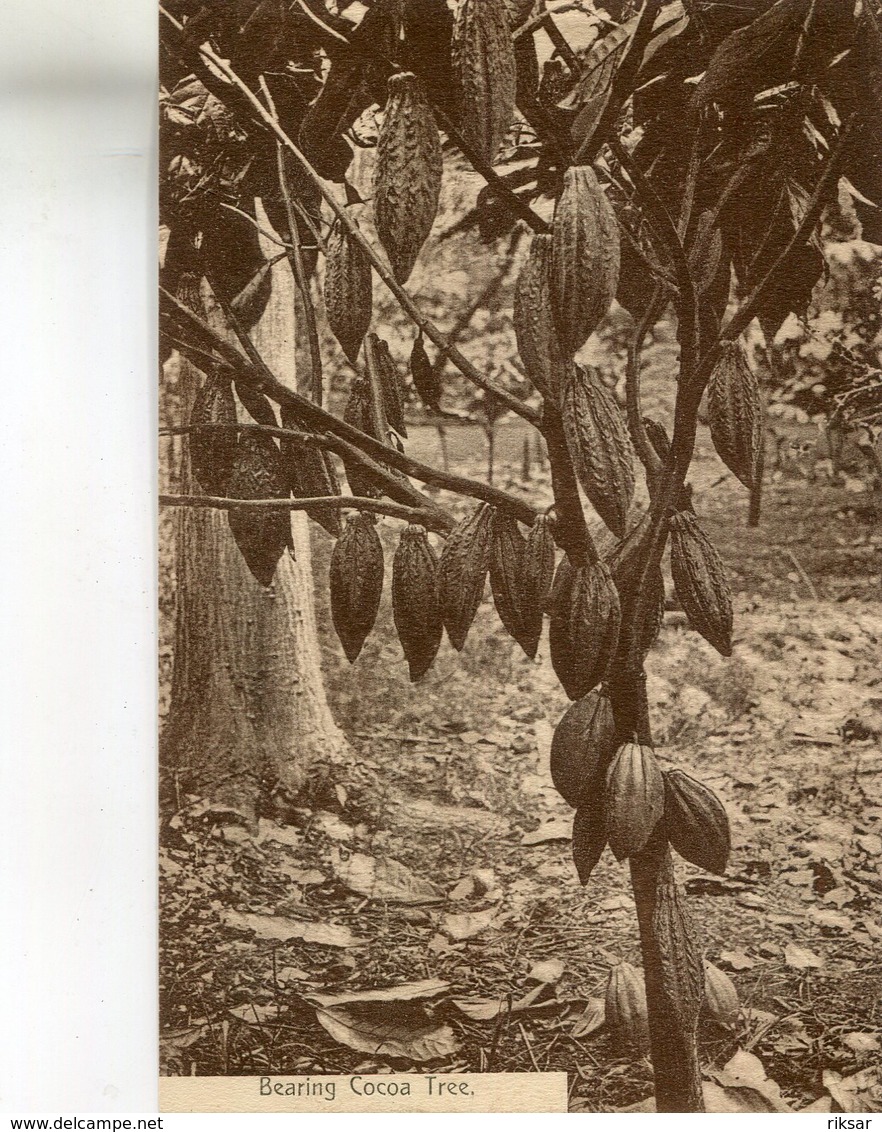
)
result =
(380, 1029)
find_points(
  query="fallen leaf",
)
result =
(464, 925)
(862, 1043)
(555, 829)
(403, 992)
(801, 958)
(591, 1019)
(384, 879)
(294, 975)
(862, 1092)
(826, 918)
(548, 971)
(621, 902)
(405, 1031)
(485, 1009)
(822, 1104)
(281, 834)
(744, 1072)
(254, 1012)
(736, 960)
(282, 928)
(462, 890)
(719, 1099)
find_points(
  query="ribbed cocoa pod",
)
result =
(696, 821)
(510, 584)
(627, 1014)
(213, 452)
(261, 536)
(583, 743)
(356, 582)
(462, 571)
(533, 321)
(310, 475)
(357, 413)
(720, 996)
(735, 414)
(539, 563)
(584, 627)
(584, 258)
(486, 74)
(634, 800)
(700, 581)
(390, 384)
(425, 379)
(599, 446)
(414, 600)
(589, 838)
(407, 174)
(348, 291)
(658, 438)
(706, 253)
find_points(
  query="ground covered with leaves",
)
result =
(422, 912)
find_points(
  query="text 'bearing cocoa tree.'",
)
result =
(673, 157)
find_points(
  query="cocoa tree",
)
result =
(674, 156)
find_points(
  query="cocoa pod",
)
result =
(585, 258)
(486, 74)
(584, 627)
(357, 413)
(311, 474)
(706, 252)
(696, 821)
(348, 291)
(510, 584)
(407, 174)
(735, 415)
(213, 452)
(356, 582)
(720, 996)
(425, 377)
(700, 581)
(462, 571)
(599, 446)
(544, 363)
(414, 600)
(583, 743)
(627, 1014)
(658, 438)
(390, 385)
(261, 536)
(539, 564)
(634, 800)
(589, 838)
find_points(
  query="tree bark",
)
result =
(248, 715)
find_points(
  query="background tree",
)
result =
(682, 147)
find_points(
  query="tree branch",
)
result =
(429, 519)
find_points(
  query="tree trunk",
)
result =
(248, 714)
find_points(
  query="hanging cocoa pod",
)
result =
(357, 413)
(390, 385)
(696, 821)
(582, 746)
(589, 838)
(584, 258)
(510, 585)
(486, 74)
(634, 800)
(700, 581)
(462, 571)
(627, 1014)
(213, 452)
(414, 600)
(539, 565)
(544, 363)
(720, 996)
(735, 414)
(584, 626)
(348, 290)
(311, 474)
(599, 446)
(425, 377)
(407, 174)
(356, 582)
(261, 535)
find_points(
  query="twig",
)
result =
(529, 1047)
(230, 426)
(797, 565)
(428, 519)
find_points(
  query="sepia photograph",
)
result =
(520, 557)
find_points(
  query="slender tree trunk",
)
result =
(248, 713)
